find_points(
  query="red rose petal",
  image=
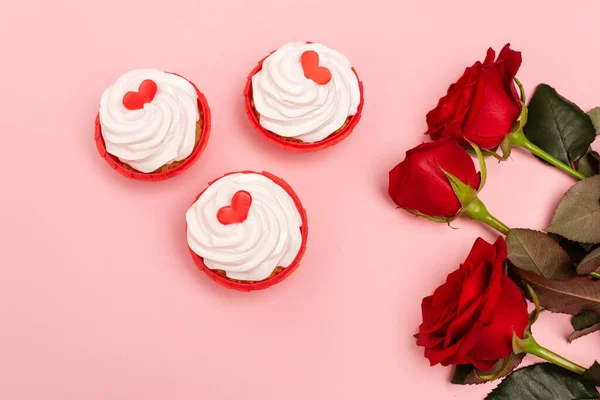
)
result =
(509, 316)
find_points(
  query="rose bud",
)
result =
(418, 183)
(439, 181)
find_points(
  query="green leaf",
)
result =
(583, 332)
(588, 246)
(544, 382)
(589, 165)
(568, 297)
(584, 320)
(594, 115)
(558, 126)
(592, 374)
(534, 251)
(461, 373)
(468, 375)
(584, 323)
(577, 217)
(590, 263)
(576, 251)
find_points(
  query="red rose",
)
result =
(483, 105)
(419, 184)
(471, 318)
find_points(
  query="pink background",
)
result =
(99, 298)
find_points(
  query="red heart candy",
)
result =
(145, 94)
(310, 64)
(237, 212)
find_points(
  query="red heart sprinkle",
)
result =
(145, 94)
(310, 64)
(237, 212)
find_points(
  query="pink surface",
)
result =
(99, 298)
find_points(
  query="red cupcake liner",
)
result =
(117, 165)
(260, 285)
(293, 146)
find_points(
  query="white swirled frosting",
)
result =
(270, 236)
(294, 106)
(161, 132)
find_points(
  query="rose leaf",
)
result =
(535, 251)
(542, 382)
(589, 165)
(592, 374)
(577, 217)
(584, 320)
(594, 115)
(558, 125)
(576, 251)
(568, 297)
(584, 323)
(468, 375)
(583, 332)
(590, 263)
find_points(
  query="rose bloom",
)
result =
(419, 184)
(483, 104)
(471, 318)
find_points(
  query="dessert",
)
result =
(152, 125)
(247, 230)
(304, 97)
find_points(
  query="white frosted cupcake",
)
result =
(152, 125)
(247, 230)
(304, 97)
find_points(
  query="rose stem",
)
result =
(518, 138)
(532, 347)
(477, 211)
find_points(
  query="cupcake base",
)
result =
(224, 274)
(292, 139)
(280, 273)
(291, 143)
(169, 170)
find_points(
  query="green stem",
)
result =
(595, 275)
(477, 211)
(518, 138)
(530, 346)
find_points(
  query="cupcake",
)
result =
(152, 125)
(304, 97)
(247, 231)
